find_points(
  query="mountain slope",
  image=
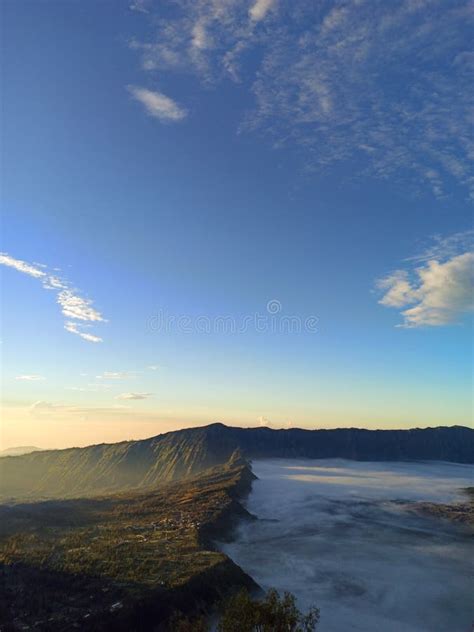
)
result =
(183, 453)
(122, 562)
(108, 467)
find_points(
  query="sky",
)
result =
(250, 211)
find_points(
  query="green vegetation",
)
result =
(125, 558)
(242, 613)
(271, 614)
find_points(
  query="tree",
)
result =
(271, 614)
(180, 623)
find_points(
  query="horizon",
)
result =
(249, 211)
(218, 423)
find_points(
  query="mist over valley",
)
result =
(342, 535)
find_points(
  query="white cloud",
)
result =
(203, 37)
(30, 378)
(154, 367)
(134, 396)
(380, 84)
(90, 388)
(74, 328)
(439, 292)
(22, 266)
(200, 38)
(54, 283)
(157, 104)
(116, 375)
(260, 9)
(263, 421)
(72, 304)
(399, 291)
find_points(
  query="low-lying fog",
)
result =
(337, 534)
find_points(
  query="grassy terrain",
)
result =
(122, 560)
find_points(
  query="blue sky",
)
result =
(202, 159)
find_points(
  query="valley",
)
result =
(122, 537)
(144, 464)
(356, 540)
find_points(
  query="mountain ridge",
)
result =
(19, 450)
(182, 453)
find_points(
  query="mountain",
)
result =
(19, 450)
(175, 455)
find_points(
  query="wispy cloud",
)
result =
(443, 248)
(22, 266)
(260, 9)
(157, 104)
(116, 375)
(384, 85)
(72, 304)
(30, 378)
(140, 6)
(134, 396)
(42, 409)
(41, 406)
(90, 388)
(74, 328)
(438, 292)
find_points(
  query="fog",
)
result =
(339, 535)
